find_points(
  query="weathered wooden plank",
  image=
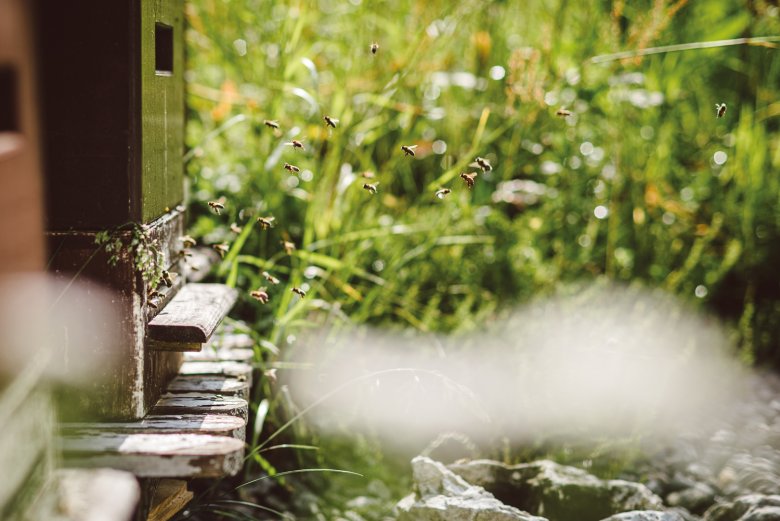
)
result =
(214, 424)
(170, 496)
(176, 347)
(238, 370)
(229, 340)
(193, 314)
(201, 403)
(82, 494)
(208, 354)
(156, 455)
(217, 384)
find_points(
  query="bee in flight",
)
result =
(371, 187)
(468, 178)
(482, 163)
(408, 149)
(235, 228)
(563, 112)
(271, 124)
(295, 144)
(166, 278)
(331, 122)
(187, 241)
(374, 48)
(292, 168)
(260, 295)
(221, 248)
(720, 109)
(266, 222)
(270, 278)
(288, 246)
(299, 292)
(217, 206)
(441, 193)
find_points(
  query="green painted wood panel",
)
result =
(162, 106)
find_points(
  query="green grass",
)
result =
(627, 188)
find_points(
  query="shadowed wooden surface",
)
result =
(193, 314)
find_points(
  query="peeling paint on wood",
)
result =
(201, 403)
(210, 384)
(157, 455)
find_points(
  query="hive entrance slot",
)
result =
(163, 49)
(9, 102)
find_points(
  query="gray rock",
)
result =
(753, 507)
(556, 491)
(444, 496)
(646, 515)
(696, 499)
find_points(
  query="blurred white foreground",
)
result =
(605, 361)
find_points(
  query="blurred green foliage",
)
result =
(642, 183)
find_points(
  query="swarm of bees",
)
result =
(720, 110)
(260, 295)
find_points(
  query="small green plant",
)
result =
(146, 254)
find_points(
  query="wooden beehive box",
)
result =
(112, 99)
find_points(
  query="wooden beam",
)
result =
(208, 354)
(214, 424)
(216, 384)
(236, 369)
(201, 403)
(170, 496)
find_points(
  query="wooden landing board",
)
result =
(207, 354)
(170, 496)
(216, 384)
(156, 455)
(193, 314)
(214, 424)
(201, 403)
(238, 370)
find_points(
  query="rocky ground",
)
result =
(727, 470)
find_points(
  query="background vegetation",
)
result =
(641, 184)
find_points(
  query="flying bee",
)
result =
(468, 178)
(271, 124)
(221, 248)
(288, 246)
(270, 278)
(441, 193)
(270, 374)
(217, 206)
(266, 222)
(187, 241)
(563, 112)
(260, 295)
(720, 109)
(292, 168)
(370, 187)
(374, 48)
(299, 292)
(166, 278)
(235, 228)
(483, 163)
(331, 122)
(184, 254)
(368, 174)
(408, 149)
(295, 144)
